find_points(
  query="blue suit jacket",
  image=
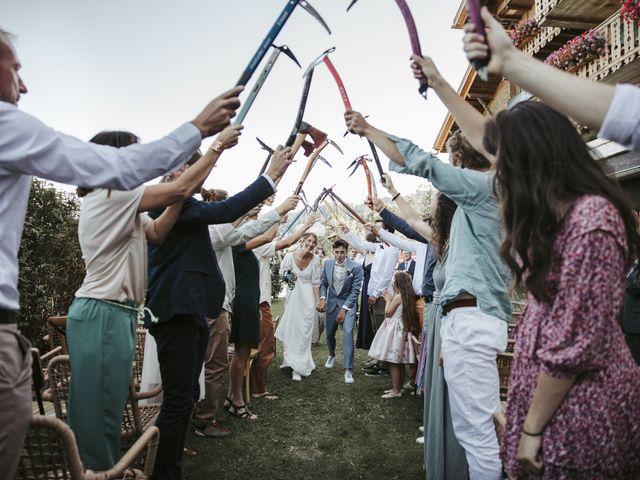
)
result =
(351, 286)
(184, 277)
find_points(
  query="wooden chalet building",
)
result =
(558, 22)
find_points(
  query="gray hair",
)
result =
(6, 37)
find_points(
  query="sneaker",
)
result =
(372, 371)
(330, 361)
(212, 430)
(296, 377)
(382, 371)
(370, 363)
(409, 386)
(421, 429)
(392, 395)
(348, 377)
(420, 440)
(391, 390)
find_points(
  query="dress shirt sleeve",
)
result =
(29, 147)
(253, 228)
(462, 185)
(316, 274)
(383, 280)
(622, 123)
(353, 239)
(396, 241)
(324, 283)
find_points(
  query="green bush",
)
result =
(51, 266)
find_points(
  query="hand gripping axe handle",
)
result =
(481, 66)
(346, 206)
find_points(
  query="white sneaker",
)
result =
(348, 377)
(420, 440)
(295, 376)
(421, 429)
(392, 395)
(330, 361)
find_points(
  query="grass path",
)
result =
(320, 428)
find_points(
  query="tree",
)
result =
(51, 266)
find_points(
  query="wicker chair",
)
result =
(57, 333)
(50, 452)
(504, 361)
(136, 419)
(59, 376)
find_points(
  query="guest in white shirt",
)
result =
(28, 147)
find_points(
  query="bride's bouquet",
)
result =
(290, 278)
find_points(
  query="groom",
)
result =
(339, 289)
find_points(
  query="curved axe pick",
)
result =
(317, 61)
(324, 160)
(335, 145)
(287, 51)
(303, 198)
(353, 2)
(307, 6)
(265, 146)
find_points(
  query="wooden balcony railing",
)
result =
(541, 40)
(578, 14)
(624, 48)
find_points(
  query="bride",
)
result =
(302, 273)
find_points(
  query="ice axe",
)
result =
(347, 105)
(262, 78)
(362, 161)
(312, 161)
(273, 33)
(413, 36)
(335, 198)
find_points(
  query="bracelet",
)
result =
(393, 199)
(529, 434)
(217, 147)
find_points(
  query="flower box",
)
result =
(630, 10)
(579, 51)
(522, 33)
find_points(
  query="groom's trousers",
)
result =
(347, 338)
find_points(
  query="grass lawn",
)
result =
(320, 428)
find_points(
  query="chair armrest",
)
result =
(50, 354)
(148, 440)
(148, 394)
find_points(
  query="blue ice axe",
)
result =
(273, 33)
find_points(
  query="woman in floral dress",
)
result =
(570, 234)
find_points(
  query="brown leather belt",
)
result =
(461, 303)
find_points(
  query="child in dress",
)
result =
(392, 343)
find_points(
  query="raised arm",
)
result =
(391, 239)
(292, 239)
(157, 196)
(359, 126)
(28, 146)
(353, 239)
(583, 100)
(470, 121)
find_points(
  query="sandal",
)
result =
(241, 411)
(266, 395)
(227, 404)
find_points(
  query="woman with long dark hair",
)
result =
(570, 235)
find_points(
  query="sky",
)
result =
(147, 66)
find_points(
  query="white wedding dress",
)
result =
(295, 329)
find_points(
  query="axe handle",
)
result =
(367, 173)
(268, 40)
(310, 164)
(336, 76)
(257, 86)
(301, 108)
(265, 165)
(376, 159)
(348, 208)
(293, 222)
(415, 40)
(300, 137)
(473, 6)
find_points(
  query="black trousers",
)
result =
(182, 342)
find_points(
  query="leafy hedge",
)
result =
(51, 266)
